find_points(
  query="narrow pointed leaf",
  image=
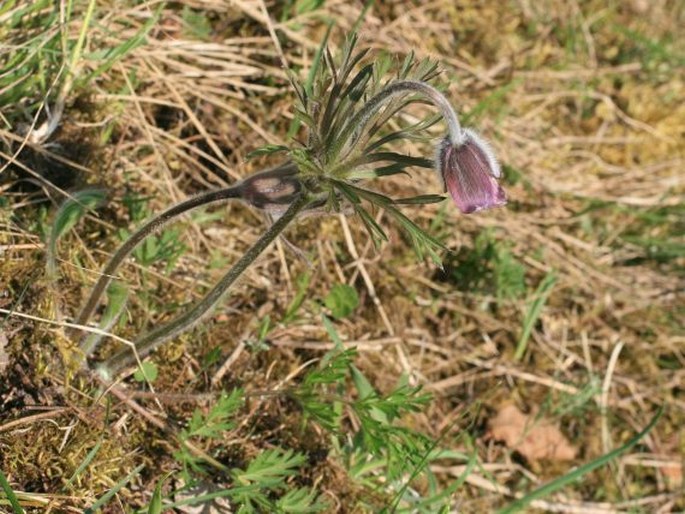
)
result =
(361, 383)
(10, 495)
(71, 211)
(420, 200)
(117, 296)
(405, 160)
(266, 150)
(411, 132)
(316, 62)
(577, 473)
(356, 87)
(377, 233)
(104, 499)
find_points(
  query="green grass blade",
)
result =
(67, 216)
(156, 506)
(563, 481)
(231, 492)
(117, 53)
(114, 490)
(117, 296)
(302, 284)
(443, 495)
(9, 493)
(78, 48)
(89, 458)
(539, 299)
(332, 332)
(362, 15)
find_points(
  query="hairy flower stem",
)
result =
(353, 130)
(139, 236)
(150, 341)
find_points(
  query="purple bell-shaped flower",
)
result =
(469, 171)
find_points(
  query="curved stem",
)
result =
(150, 341)
(143, 232)
(354, 127)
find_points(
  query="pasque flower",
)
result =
(344, 113)
(469, 171)
(466, 163)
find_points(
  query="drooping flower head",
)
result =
(466, 163)
(469, 171)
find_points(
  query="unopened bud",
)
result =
(469, 172)
(272, 190)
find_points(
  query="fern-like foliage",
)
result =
(381, 444)
(213, 425)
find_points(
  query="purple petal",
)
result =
(469, 172)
